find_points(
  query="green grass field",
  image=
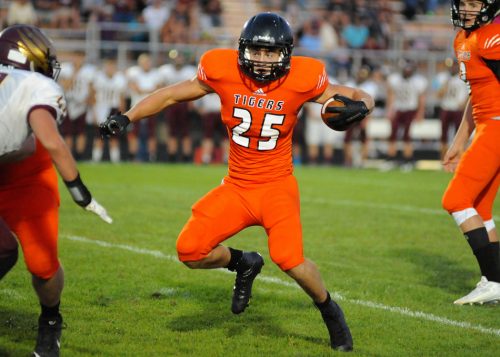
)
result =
(394, 259)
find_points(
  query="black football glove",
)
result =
(114, 125)
(353, 112)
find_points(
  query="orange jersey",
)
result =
(20, 172)
(260, 118)
(470, 49)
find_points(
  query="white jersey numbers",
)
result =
(268, 133)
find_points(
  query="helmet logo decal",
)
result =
(16, 56)
(267, 39)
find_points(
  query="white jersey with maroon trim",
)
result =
(21, 92)
(147, 82)
(456, 94)
(406, 91)
(108, 93)
(78, 93)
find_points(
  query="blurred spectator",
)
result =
(178, 115)
(358, 132)
(320, 140)
(356, 33)
(405, 103)
(125, 11)
(142, 80)
(181, 24)
(212, 9)
(66, 14)
(453, 94)
(340, 6)
(156, 14)
(21, 12)
(379, 80)
(329, 39)
(75, 78)
(108, 96)
(309, 38)
(413, 7)
(214, 131)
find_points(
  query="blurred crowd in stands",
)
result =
(193, 132)
(322, 25)
(178, 21)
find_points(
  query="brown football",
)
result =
(330, 103)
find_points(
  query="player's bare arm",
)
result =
(155, 102)
(167, 96)
(44, 127)
(349, 92)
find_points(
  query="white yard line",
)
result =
(395, 207)
(374, 305)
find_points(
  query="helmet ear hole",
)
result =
(27, 47)
(265, 31)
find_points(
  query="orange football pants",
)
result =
(230, 208)
(477, 177)
(29, 203)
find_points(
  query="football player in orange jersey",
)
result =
(471, 192)
(261, 88)
(32, 105)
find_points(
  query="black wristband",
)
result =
(79, 191)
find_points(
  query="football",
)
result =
(327, 117)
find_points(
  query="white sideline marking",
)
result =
(374, 305)
(431, 211)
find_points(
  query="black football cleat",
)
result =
(248, 267)
(48, 341)
(340, 335)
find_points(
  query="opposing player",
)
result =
(108, 89)
(471, 192)
(405, 104)
(75, 79)
(262, 88)
(453, 94)
(31, 106)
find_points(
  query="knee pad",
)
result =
(489, 225)
(463, 215)
(7, 261)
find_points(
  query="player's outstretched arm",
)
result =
(44, 127)
(154, 103)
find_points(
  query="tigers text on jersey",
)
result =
(470, 49)
(260, 118)
(21, 92)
